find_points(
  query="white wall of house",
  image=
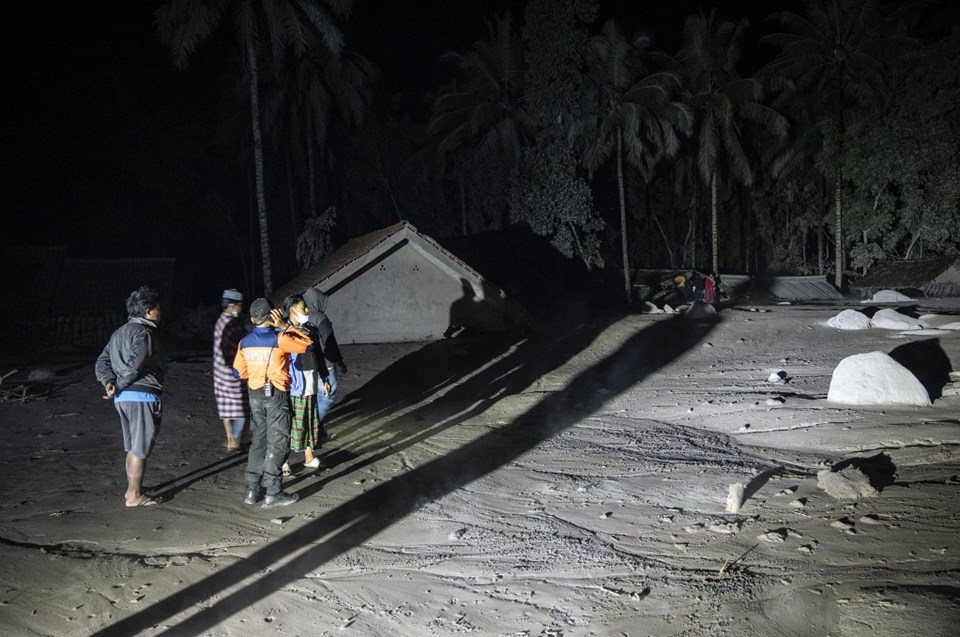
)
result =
(407, 295)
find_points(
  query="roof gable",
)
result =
(397, 284)
(351, 259)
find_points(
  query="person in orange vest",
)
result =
(263, 358)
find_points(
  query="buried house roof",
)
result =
(750, 286)
(29, 274)
(396, 284)
(77, 302)
(101, 286)
(788, 288)
(92, 293)
(938, 276)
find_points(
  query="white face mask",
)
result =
(299, 318)
(234, 313)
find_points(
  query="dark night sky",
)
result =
(84, 79)
(69, 89)
(88, 89)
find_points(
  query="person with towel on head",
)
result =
(229, 391)
(309, 383)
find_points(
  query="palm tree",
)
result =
(483, 113)
(631, 111)
(835, 52)
(298, 25)
(315, 96)
(725, 106)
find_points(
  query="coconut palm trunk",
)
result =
(258, 164)
(713, 222)
(838, 233)
(311, 169)
(623, 216)
(463, 206)
(837, 192)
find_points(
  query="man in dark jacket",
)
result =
(316, 301)
(131, 369)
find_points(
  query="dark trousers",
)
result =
(270, 439)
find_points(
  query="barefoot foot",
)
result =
(142, 501)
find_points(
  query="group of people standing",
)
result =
(287, 366)
(281, 375)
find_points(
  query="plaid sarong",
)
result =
(230, 392)
(305, 427)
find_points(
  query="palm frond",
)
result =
(324, 25)
(184, 25)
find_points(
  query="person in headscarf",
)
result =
(315, 301)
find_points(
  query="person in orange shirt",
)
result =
(263, 357)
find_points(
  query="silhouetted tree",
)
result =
(724, 104)
(551, 193)
(261, 27)
(835, 52)
(480, 120)
(629, 110)
(904, 166)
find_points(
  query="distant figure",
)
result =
(709, 289)
(309, 383)
(695, 284)
(316, 302)
(680, 295)
(131, 369)
(263, 360)
(230, 392)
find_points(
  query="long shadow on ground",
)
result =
(353, 523)
(416, 377)
(470, 388)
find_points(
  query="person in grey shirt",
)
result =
(131, 369)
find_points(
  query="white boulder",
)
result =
(849, 320)
(890, 296)
(888, 319)
(875, 379)
(850, 483)
(699, 310)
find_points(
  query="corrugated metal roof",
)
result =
(788, 288)
(101, 286)
(912, 273)
(29, 275)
